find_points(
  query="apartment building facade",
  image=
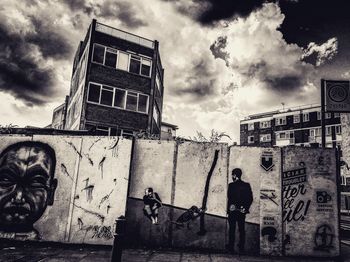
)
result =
(116, 84)
(300, 126)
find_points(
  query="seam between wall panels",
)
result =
(172, 196)
(281, 188)
(72, 197)
(133, 145)
(227, 180)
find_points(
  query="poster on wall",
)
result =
(310, 203)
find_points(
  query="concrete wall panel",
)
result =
(193, 165)
(101, 189)
(310, 208)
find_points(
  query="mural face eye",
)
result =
(37, 182)
(6, 179)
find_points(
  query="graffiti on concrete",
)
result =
(270, 232)
(188, 216)
(88, 190)
(202, 230)
(114, 148)
(100, 165)
(74, 148)
(98, 231)
(27, 187)
(268, 194)
(324, 237)
(65, 171)
(267, 161)
(105, 198)
(89, 159)
(93, 143)
(152, 203)
(99, 216)
(295, 207)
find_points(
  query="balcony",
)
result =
(124, 35)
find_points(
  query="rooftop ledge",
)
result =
(124, 35)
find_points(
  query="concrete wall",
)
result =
(92, 180)
(178, 173)
(310, 206)
(294, 209)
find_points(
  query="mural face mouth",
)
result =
(15, 214)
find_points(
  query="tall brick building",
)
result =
(294, 126)
(116, 85)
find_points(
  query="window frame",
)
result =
(249, 126)
(277, 121)
(263, 126)
(306, 119)
(267, 136)
(249, 140)
(296, 118)
(129, 55)
(125, 100)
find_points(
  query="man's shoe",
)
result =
(230, 249)
(241, 251)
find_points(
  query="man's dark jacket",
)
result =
(240, 194)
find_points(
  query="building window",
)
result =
(265, 138)
(135, 64)
(119, 98)
(265, 124)
(123, 61)
(131, 101)
(111, 58)
(251, 126)
(99, 53)
(280, 121)
(296, 118)
(146, 67)
(315, 131)
(102, 131)
(124, 99)
(328, 130)
(94, 93)
(143, 103)
(328, 115)
(250, 139)
(282, 135)
(338, 130)
(306, 117)
(336, 115)
(106, 96)
(318, 115)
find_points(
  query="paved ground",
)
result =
(58, 253)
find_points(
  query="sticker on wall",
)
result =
(269, 194)
(295, 176)
(324, 237)
(267, 161)
(323, 165)
(324, 201)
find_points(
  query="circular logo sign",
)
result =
(338, 93)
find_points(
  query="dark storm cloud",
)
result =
(21, 72)
(218, 48)
(50, 43)
(122, 10)
(285, 83)
(199, 82)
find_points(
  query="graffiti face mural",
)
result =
(27, 185)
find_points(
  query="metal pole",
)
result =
(118, 239)
(323, 124)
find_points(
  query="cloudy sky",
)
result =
(223, 59)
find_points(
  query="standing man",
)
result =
(239, 200)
